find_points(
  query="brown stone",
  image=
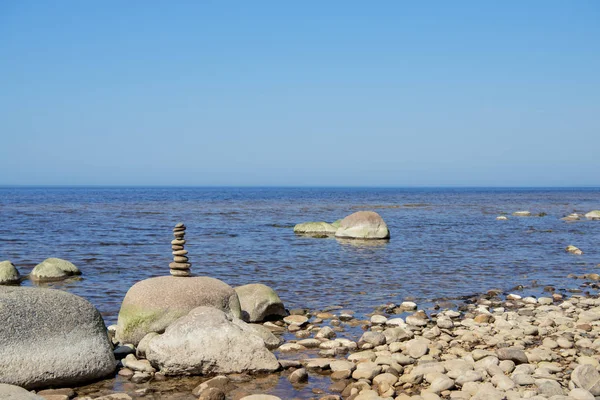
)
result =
(57, 392)
(176, 247)
(179, 272)
(177, 242)
(180, 266)
(180, 259)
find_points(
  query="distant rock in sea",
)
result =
(319, 227)
(53, 269)
(363, 225)
(594, 215)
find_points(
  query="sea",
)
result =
(446, 243)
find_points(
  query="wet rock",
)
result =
(363, 225)
(9, 274)
(298, 376)
(574, 250)
(259, 302)
(522, 213)
(53, 269)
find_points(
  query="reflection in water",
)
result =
(359, 243)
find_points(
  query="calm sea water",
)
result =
(445, 242)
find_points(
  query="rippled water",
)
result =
(445, 242)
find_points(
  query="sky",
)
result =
(310, 93)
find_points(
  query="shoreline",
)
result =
(477, 314)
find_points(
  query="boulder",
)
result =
(522, 214)
(593, 215)
(51, 338)
(209, 341)
(315, 227)
(586, 377)
(11, 392)
(153, 304)
(53, 269)
(363, 225)
(8, 273)
(259, 303)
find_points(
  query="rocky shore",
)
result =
(493, 346)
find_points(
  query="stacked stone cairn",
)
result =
(180, 265)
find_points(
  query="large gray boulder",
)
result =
(208, 341)
(153, 304)
(259, 302)
(8, 273)
(318, 227)
(12, 392)
(51, 338)
(363, 225)
(53, 269)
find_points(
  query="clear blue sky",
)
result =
(349, 93)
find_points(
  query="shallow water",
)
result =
(445, 242)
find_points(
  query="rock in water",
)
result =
(363, 225)
(522, 214)
(51, 338)
(315, 227)
(180, 266)
(153, 304)
(53, 269)
(573, 250)
(208, 341)
(259, 302)
(593, 215)
(8, 273)
(11, 392)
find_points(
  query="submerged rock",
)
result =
(259, 302)
(53, 269)
(501, 218)
(153, 304)
(315, 227)
(363, 225)
(522, 214)
(51, 338)
(9, 275)
(208, 341)
(574, 250)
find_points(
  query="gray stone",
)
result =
(271, 341)
(593, 214)
(53, 269)
(208, 341)
(259, 302)
(153, 304)
(363, 225)
(516, 355)
(12, 392)
(586, 377)
(51, 338)
(315, 227)
(374, 338)
(298, 376)
(9, 274)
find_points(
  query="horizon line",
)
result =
(302, 186)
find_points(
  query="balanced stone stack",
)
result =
(180, 265)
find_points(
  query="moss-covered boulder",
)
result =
(259, 303)
(53, 269)
(9, 275)
(593, 215)
(319, 227)
(363, 225)
(153, 304)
